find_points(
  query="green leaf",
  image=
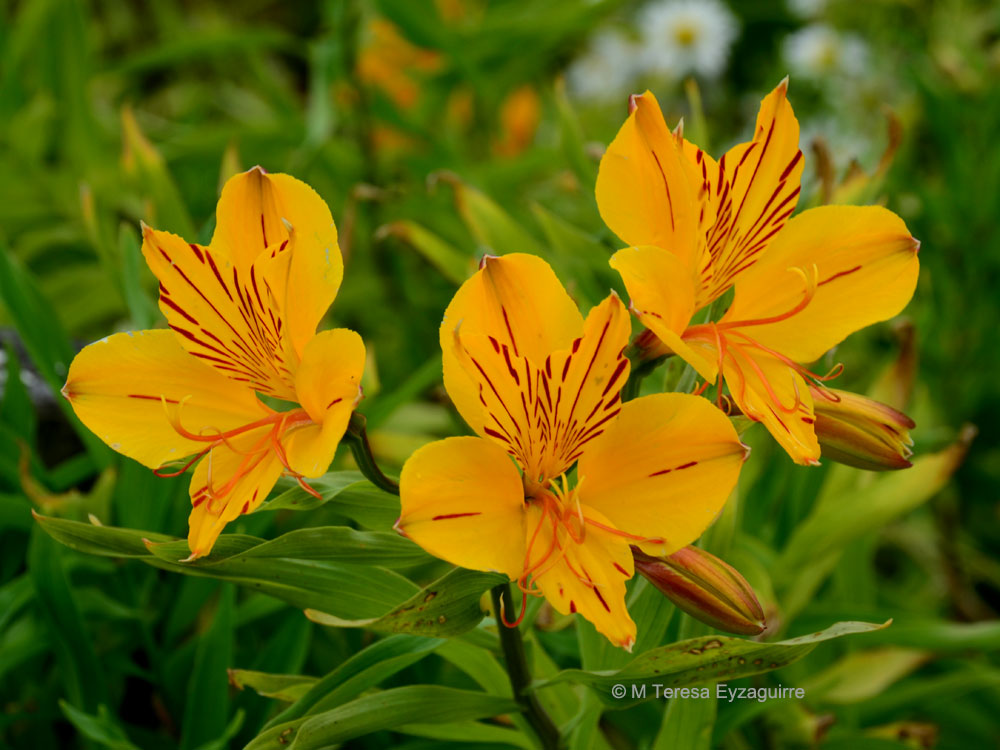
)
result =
(496, 230)
(939, 635)
(356, 499)
(282, 687)
(575, 254)
(862, 675)
(362, 671)
(454, 265)
(650, 610)
(481, 665)
(572, 139)
(416, 383)
(142, 309)
(701, 660)
(100, 728)
(207, 701)
(340, 544)
(449, 606)
(107, 541)
(15, 408)
(344, 590)
(81, 672)
(833, 524)
(222, 741)
(470, 732)
(46, 341)
(687, 724)
(426, 704)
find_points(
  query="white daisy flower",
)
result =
(818, 51)
(806, 8)
(605, 70)
(687, 36)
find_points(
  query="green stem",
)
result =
(520, 675)
(357, 437)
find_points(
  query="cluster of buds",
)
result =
(705, 587)
(860, 431)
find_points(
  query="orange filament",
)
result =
(279, 422)
(561, 508)
(712, 333)
(807, 297)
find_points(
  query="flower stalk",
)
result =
(357, 438)
(520, 674)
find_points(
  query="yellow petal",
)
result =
(328, 386)
(543, 412)
(663, 469)
(866, 269)
(643, 189)
(254, 210)
(768, 390)
(224, 318)
(587, 578)
(305, 276)
(662, 296)
(517, 300)
(231, 480)
(758, 188)
(461, 500)
(117, 387)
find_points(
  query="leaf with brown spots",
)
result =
(701, 661)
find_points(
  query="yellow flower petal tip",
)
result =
(698, 227)
(543, 399)
(243, 312)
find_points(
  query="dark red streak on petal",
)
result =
(838, 275)
(510, 332)
(153, 398)
(180, 310)
(448, 516)
(666, 186)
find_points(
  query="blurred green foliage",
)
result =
(439, 131)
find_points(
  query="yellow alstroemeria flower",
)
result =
(802, 284)
(540, 385)
(243, 313)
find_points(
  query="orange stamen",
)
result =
(281, 423)
(807, 297)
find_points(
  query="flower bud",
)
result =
(646, 347)
(861, 432)
(705, 587)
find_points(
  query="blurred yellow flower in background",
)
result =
(243, 313)
(389, 62)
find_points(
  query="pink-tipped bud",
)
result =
(705, 587)
(861, 432)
